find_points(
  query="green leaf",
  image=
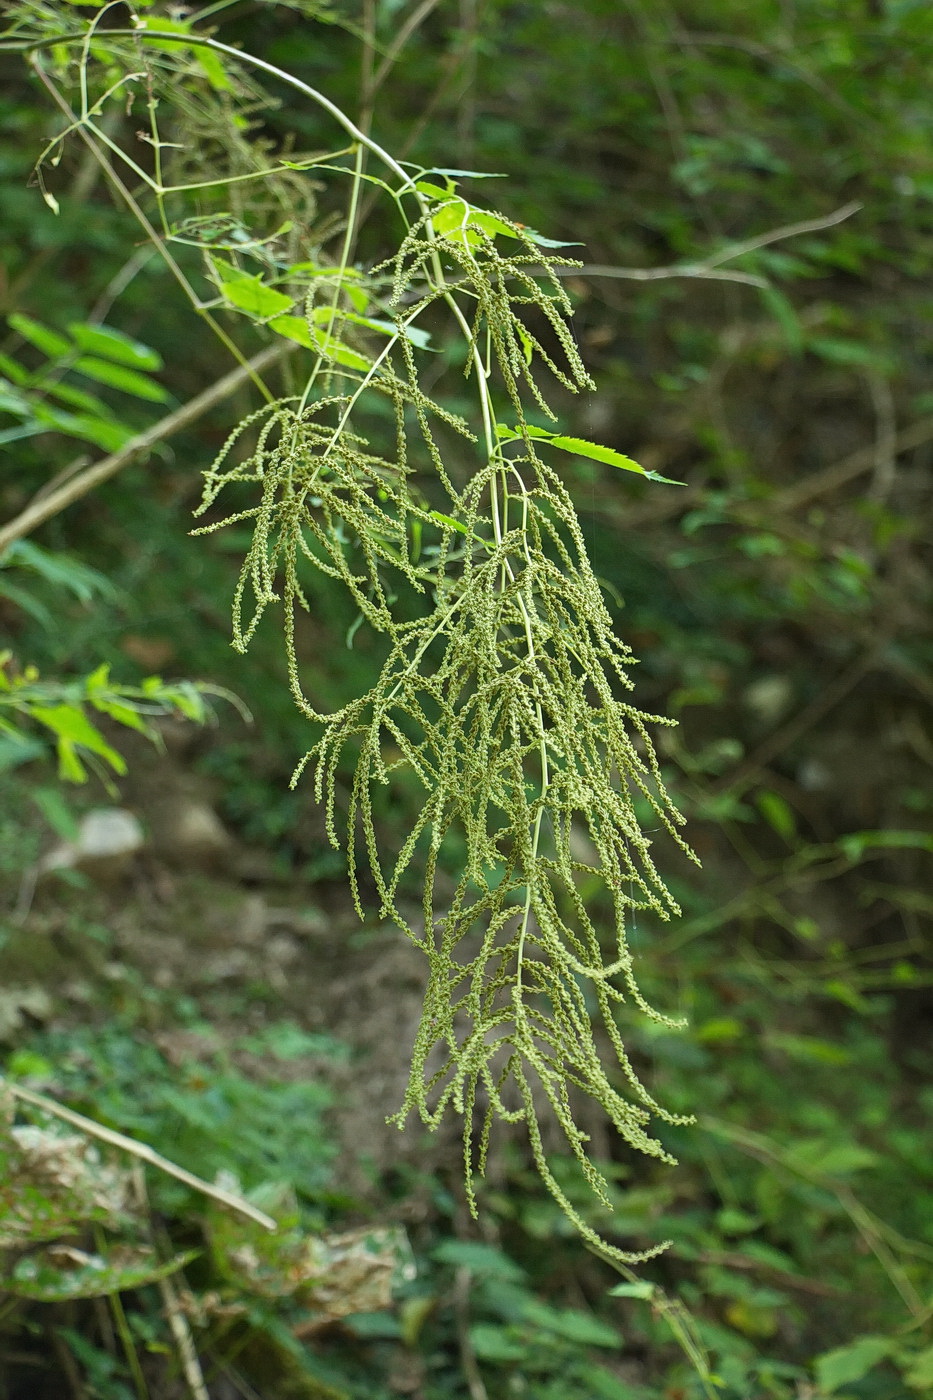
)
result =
(413, 333)
(838, 351)
(120, 377)
(452, 524)
(465, 174)
(850, 1363)
(435, 192)
(52, 344)
(57, 813)
(293, 328)
(114, 345)
(22, 598)
(641, 1289)
(720, 1030)
(819, 1157)
(251, 295)
(543, 242)
(79, 398)
(571, 1324)
(213, 68)
(17, 748)
(296, 328)
(919, 1374)
(491, 1343)
(809, 1049)
(482, 1259)
(73, 729)
(14, 370)
(70, 767)
(108, 434)
(580, 447)
(60, 569)
(247, 291)
(778, 814)
(208, 61)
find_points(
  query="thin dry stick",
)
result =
(879, 387)
(140, 1150)
(654, 274)
(47, 505)
(181, 1334)
(406, 30)
(174, 1312)
(471, 1372)
(708, 267)
(776, 235)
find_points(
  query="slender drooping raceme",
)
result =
(501, 703)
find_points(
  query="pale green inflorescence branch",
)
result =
(502, 695)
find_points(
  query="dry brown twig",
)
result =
(48, 503)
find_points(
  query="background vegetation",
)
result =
(779, 603)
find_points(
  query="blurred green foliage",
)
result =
(780, 605)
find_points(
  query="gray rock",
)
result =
(108, 838)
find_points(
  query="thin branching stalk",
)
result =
(500, 716)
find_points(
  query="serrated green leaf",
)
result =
(435, 192)
(580, 447)
(296, 328)
(114, 345)
(543, 242)
(130, 381)
(250, 294)
(293, 328)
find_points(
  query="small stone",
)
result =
(188, 832)
(108, 838)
